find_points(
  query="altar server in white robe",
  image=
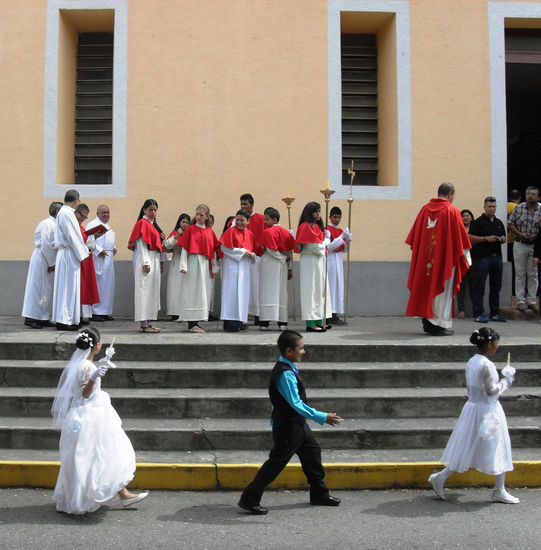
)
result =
(237, 247)
(199, 246)
(104, 253)
(146, 243)
(340, 240)
(174, 277)
(71, 251)
(38, 294)
(312, 241)
(276, 268)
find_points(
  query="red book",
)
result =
(100, 227)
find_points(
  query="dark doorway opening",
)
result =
(523, 97)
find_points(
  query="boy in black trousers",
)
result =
(290, 432)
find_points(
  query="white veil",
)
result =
(68, 386)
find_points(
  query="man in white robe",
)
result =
(39, 282)
(71, 251)
(104, 254)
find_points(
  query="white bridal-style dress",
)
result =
(97, 458)
(480, 438)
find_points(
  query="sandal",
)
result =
(197, 330)
(149, 329)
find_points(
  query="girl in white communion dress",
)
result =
(97, 458)
(480, 438)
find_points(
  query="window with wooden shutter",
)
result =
(94, 108)
(359, 108)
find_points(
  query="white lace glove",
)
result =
(509, 374)
(106, 361)
(347, 234)
(327, 234)
(99, 372)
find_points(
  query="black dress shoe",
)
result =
(82, 323)
(108, 318)
(47, 324)
(325, 501)
(71, 328)
(427, 326)
(32, 323)
(440, 331)
(98, 319)
(254, 509)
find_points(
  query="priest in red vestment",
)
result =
(440, 256)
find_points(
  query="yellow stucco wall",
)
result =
(231, 97)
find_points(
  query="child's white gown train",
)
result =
(97, 458)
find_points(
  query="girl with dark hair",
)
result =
(199, 245)
(312, 241)
(174, 277)
(97, 458)
(146, 242)
(480, 438)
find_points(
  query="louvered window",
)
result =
(94, 108)
(359, 108)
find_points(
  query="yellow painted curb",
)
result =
(204, 477)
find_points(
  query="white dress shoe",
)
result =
(437, 485)
(501, 495)
(129, 501)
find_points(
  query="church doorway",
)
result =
(523, 98)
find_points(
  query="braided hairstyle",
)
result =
(483, 336)
(87, 338)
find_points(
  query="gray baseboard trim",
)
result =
(376, 288)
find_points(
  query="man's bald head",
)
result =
(103, 213)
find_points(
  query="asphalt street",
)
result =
(401, 519)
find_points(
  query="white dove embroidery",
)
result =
(431, 223)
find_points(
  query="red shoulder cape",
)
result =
(437, 240)
(174, 232)
(234, 238)
(256, 224)
(335, 233)
(145, 230)
(89, 285)
(309, 233)
(278, 238)
(197, 240)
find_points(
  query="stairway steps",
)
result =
(144, 374)
(245, 434)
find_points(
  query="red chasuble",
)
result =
(335, 233)
(278, 238)
(89, 286)
(145, 230)
(235, 238)
(309, 233)
(437, 240)
(197, 240)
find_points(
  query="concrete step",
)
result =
(255, 434)
(256, 456)
(254, 403)
(139, 374)
(255, 347)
